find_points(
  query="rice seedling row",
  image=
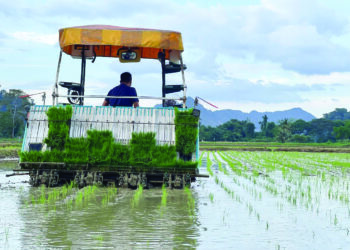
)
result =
(282, 176)
(233, 189)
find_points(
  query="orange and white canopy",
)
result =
(107, 40)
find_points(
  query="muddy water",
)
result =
(205, 218)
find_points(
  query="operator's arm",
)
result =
(105, 103)
(136, 100)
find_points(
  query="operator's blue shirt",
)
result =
(122, 90)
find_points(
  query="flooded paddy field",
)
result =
(252, 200)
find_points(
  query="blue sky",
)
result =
(249, 55)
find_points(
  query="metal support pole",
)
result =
(123, 97)
(183, 82)
(82, 76)
(162, 61)
(55, 87)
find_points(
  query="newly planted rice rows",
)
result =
(113, 215)
(304, 191)
(69, 197)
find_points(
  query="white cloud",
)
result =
(49, 39)
(251, 52)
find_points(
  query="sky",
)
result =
(263, 55)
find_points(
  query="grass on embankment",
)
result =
(337, 147)
(10, 148)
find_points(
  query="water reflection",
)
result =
(94, 224)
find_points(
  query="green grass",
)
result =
(10, 148)
(9, 152)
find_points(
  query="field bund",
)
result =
(275, 146)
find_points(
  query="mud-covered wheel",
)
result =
(98, 180)
(133, 180)
(178, 182)
(143, 181)
(53, 179)
(166, 179)
(33, 178)
(89, 178)
(44, 178)
(187, 180)
(77, 178)
(120, 181)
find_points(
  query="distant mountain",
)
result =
(215, 118)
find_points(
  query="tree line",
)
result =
(13, 111)
(333, 126)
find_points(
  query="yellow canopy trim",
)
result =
(107, 40)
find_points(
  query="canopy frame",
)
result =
(95, 49)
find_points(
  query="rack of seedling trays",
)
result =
(117, 146)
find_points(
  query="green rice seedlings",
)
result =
(186, 132)
(137, 196)
(64, 191)
(163, 200)
(69, 204)
(209, 164)
(99, 238)
(190, 201)
(335, 220)
(142, 145)
(109, 195)
(218, 162)
(53, 195)
(99, 145)
(7, 232)
(164, 156)
(104, 201)
(58, 118)
(216, 180)
(76, 151)
(200, 159)
(32, 198)
(164, 196)
(89, 193)
(79, 198)
(250, 208)
(236, 170)
(257, 215)
(42, 199)
(211, 197)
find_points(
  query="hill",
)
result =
(215, 118)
